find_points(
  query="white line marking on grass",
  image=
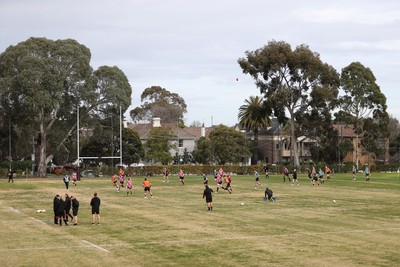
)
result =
(42, 222)
(95, 246)
(15, 210)
(59, 247)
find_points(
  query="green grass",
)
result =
(304, 227)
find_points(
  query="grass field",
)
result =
(304, 227)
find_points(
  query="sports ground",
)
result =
(304, 227)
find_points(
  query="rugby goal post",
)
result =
(107, 157)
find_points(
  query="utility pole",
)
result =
(9, 140)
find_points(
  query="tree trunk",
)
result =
(357, 147)
(386, 157)
(294, 143)
(42, 165)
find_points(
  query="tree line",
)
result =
(302, 92)
(47, 86)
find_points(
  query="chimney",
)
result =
(156, 122)
(203, 131)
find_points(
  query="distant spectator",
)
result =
(10, 176)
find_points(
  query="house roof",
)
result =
(274, 129)
(194, 133)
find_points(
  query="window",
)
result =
(180, 143)
(277, 146)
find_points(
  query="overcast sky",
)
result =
(192, 47)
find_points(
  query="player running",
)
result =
(314, 176)
(181, 175)
(295, 177)
(328, 173)
(129, 186)
(166, 175)
(321, 175)
(257, 182)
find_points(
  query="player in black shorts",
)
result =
(95, 203)
(294, 175)
(208, 195)
(75, 209)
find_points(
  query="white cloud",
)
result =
(385, 46)
(356, 15)
(192, 47)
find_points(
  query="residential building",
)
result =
(274, 146)
(185, 138)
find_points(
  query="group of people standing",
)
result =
(62, 208)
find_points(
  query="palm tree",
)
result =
(254, 115)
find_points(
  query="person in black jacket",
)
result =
(95, 203)
(61, 212)
(75, 208)
(56, 203)
(268, 194)
(208, 195)
(68, 208)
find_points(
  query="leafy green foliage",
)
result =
(43, 83)
(254, 115)
(202, 153)
(291, 81)
(36, 77)
(158, 145)
(132, 148)
(161, 103)
(364, 106)
(228, 145)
